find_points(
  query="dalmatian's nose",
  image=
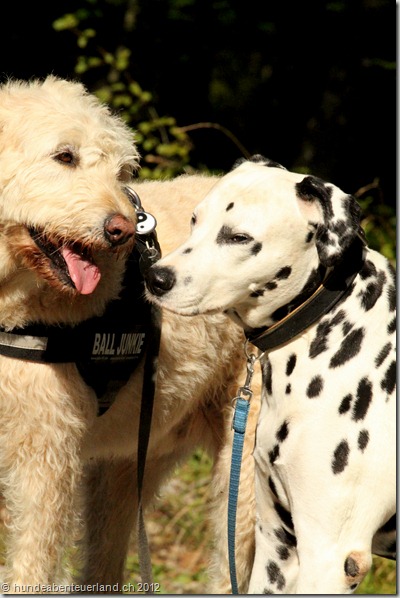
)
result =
(160, 280)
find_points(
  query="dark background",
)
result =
(309, 84)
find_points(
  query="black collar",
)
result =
(336, 284)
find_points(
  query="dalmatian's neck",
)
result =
(259, 316)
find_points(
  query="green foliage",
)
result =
(379, 221)
(381, 579)
(164, 147)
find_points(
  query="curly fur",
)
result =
(64, 162)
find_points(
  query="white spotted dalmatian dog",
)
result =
(284, 254)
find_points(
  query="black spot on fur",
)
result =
(363, 439)
(267, 592)
(288, 389)
(283, 273)
(346, 327)
(388, 383)
(363, 400)
(345, 404)
(340, 457)
(291, 364)
(368, 270)
(267, 375)
(392, 298)
(224, 234)
(350, 567)
(270, 286)
(273, 454)
(348, 349)
(283, 553)
(256, 248)
(257, 293)
(285, 537)
(315, 387)
(383, 353)
(372, 292)
(392, 326)
(324, 328)
(272, 486)
(283, 432)
(275, 575)
(188, 250)
(229, 206)
(392, 289)
(284, 515)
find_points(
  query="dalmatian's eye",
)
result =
(193, 220)
(241, 238)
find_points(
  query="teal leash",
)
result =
(242, 406)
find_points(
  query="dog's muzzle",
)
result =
(160, 280)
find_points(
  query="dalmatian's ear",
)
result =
(337, 219)
(258, 159)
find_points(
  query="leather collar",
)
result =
(334, 287)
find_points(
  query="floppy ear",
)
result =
(259, 159)
(339, 218)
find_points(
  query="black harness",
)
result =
(105, 349)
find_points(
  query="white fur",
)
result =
(335, 515)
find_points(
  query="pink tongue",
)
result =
(83, 273)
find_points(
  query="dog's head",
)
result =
(64, 163)
(259, 240)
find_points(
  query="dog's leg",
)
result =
(40, 441)
(110, 512)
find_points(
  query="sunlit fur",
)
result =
(64, 160)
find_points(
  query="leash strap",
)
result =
(239, 427)
(242, 406)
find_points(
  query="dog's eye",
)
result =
(240, 238)
(193, 220)
(66, 157)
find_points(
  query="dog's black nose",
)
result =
(160, 280)
(118, 229)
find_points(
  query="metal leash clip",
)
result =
(245, 390)
(146, 223)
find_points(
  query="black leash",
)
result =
(146, 412)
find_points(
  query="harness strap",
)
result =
(146, 411)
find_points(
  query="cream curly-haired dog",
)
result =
(67, 226)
